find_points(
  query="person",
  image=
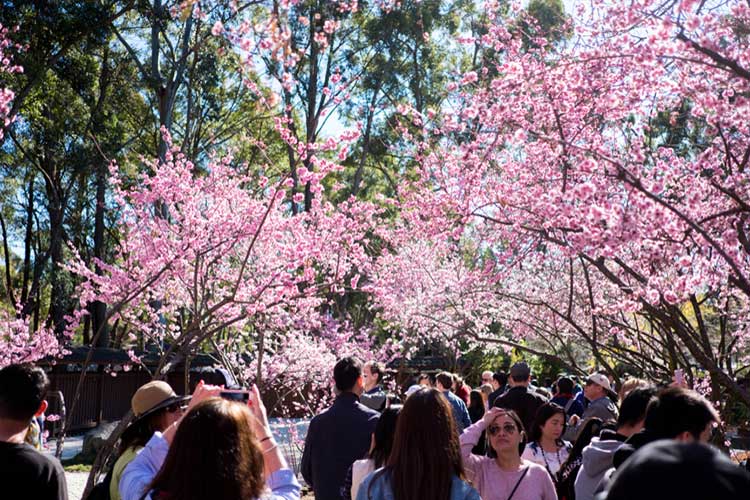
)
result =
(24, 472)
(373, 397)
(487, 377)
(485, 390)
(564, 397)
(380, 450)
(546, 446)
(220, 449)
(684, 470)
(504, 474)
(425, 462)
(519, 398)
(601, 397)
(339, 435)
(676, 413)
(627, 386)
(462, 389)
(424, 379)
(499, 386)
(566, 476)
(597, 457)
(476, 412)
(444, 383)
(155, 407)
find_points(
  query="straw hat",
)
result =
(152, 397)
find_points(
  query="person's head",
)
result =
(372, 374)
(485, 390)
(506, 434)
(630, 384)
(549, 423)
(347, 374)
(688, 471)
(598, 386)
(155, 407)
(681, 414)
(499, 380)
(486, 377)
(476, 400)
(214, 454)
(22, 392)
(444, 381)
(458, 382)
(565, 385)
(424, 380)
(520, 374)
(633, 410)
(426, 453)
(382, 437)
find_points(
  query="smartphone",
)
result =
(239, 395)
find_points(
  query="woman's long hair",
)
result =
(476, 405)
(214, 455)
(138, 433)
(544, 413)
(385, 430)
(426, 453)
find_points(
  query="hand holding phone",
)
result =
(239, 395)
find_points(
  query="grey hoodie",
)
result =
(597, 459)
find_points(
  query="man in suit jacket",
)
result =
(338, 436)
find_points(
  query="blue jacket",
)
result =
(335, 439)
(460, 412)
(381, 488)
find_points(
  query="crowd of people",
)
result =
(508, 439)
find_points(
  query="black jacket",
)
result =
(523, 401)
(335, 439)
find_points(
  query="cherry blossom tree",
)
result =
(567, 166)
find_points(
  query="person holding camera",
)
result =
(220, 449)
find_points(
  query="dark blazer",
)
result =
(524, 402)
(335, 439)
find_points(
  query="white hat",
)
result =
(412, 389)
(602, 380)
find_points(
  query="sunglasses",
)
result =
(175, 407)
(507, 428)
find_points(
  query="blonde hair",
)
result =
(629, 385)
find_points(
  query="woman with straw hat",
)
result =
(155, 407)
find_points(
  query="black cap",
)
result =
(671, 469)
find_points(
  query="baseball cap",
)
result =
(602, 380)
(152, 397)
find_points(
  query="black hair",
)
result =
(445, 379)
(139, 432)
(501, 378)
(565, 385)
(544, 413)
(346, 372)
(385, 429)
(22, 390)
(376, 368)
(633, 408)
(677, 410)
